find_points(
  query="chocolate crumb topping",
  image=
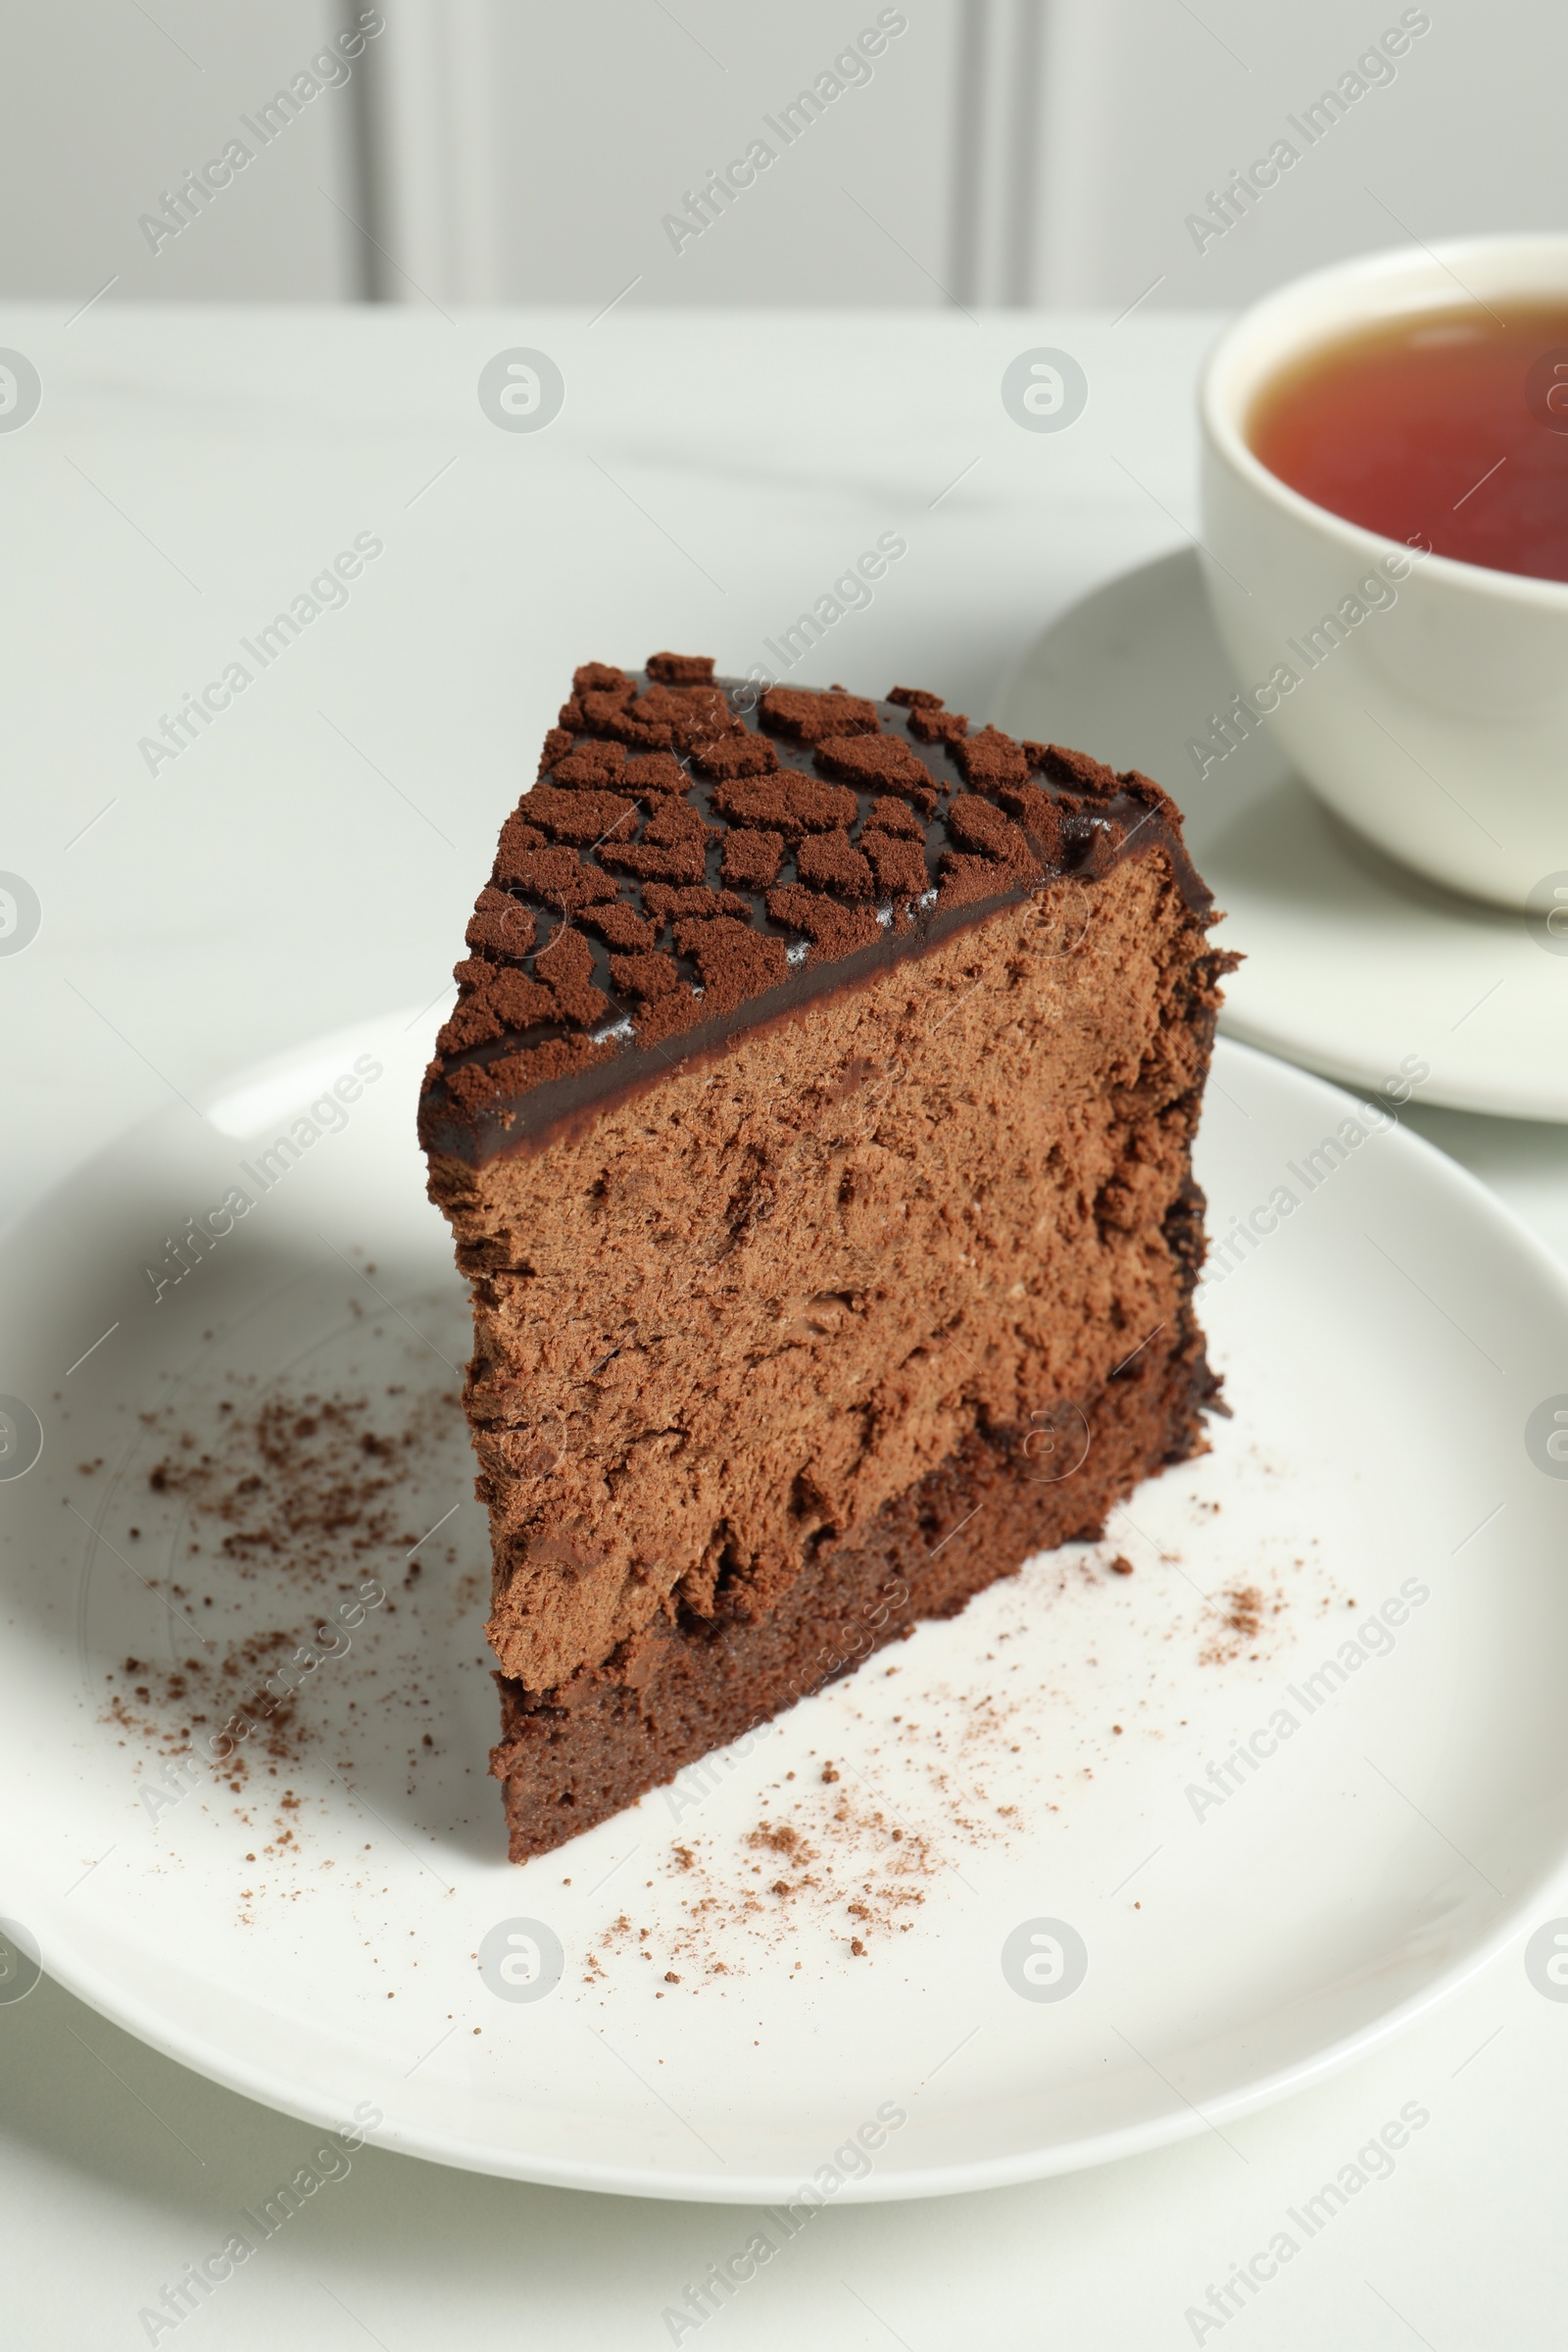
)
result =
(694, 859)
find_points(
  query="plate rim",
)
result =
(286, 2096)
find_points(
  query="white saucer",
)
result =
(1354, 966)
(1384, 1346)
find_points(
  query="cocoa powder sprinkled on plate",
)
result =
(291, 1507)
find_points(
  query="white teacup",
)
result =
(1437, 722)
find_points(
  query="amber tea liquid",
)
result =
(1447, 428)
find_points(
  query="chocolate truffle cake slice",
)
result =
(815, 1129)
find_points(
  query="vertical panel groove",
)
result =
(974, 40)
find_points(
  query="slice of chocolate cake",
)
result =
(814, 1128)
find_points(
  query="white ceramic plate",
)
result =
(1354, 966)
(1385, 1345)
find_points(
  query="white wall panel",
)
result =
(994, 152)
(597, 126)
(1153, 105)
(105, 105)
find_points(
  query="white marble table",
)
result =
(308, 859)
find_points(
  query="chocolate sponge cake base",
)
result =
(736, 1316)
(689, 1688)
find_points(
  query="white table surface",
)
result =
(310, 859)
